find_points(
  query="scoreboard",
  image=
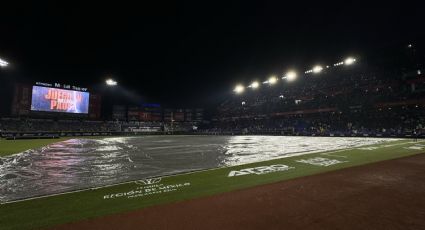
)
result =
(59, 100)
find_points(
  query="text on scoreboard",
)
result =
(59, 100)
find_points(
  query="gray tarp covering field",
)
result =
(85, 163)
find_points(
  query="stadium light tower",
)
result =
(3, 63)
(349, 61)
(111, 82)
(239, 89)
(290, 76)
(317, 69)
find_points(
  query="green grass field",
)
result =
(9, 147)
(70, 207)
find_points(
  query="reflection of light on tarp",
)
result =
(77, 164)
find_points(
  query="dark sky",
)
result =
(185, 53)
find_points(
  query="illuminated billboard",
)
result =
(59, 100)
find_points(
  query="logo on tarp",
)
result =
(149, 187)
(260, 170)
(148, 181)
(321, 161)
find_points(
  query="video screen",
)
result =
(59, 100)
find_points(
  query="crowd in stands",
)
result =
(348, 101)
(382, 122)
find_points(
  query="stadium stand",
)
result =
(354, 101)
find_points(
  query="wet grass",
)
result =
(59, 209)
(10, 147)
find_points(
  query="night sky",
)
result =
(188, 54)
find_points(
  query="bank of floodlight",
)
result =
(317, 69)
(272, 80)
(239, 89)
(290, 76)
(111, 82)
(3, 63)
(254, 85)
(349, 61)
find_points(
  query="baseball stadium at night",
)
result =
(195, 115)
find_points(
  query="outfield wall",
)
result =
(44, 135)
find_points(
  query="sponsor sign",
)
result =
(147, 187)
(321, 161)
(59, 85)
(259, 170)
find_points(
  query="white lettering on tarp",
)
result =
(148, 190)
(321, 161)
(259, 170)
(416, 147)
(368, 148)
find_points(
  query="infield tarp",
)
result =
(86, 163)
